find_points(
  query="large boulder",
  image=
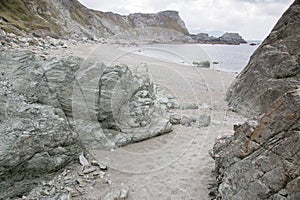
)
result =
(35, 139)
(50, 110)
(121, 101)
(261, 160)
(272, 70)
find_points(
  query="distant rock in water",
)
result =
(261, 160)
(273, 69)
(226, 38)
(233, 38)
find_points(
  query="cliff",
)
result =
(272, 70)
(68, 19)
(226, 38)
(261, 159)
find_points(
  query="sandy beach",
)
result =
(176, 165)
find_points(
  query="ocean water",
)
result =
(232, 58)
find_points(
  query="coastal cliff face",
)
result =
(272, 70)
(261, 159)
(69, 18)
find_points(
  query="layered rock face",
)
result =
(51, 110)
(273, 68)
(68, 19)
(233, 38)
(65, 19)
(261, 159)
(226, 38)
(35, 139)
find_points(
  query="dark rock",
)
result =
(232, 38)
(272, 70)
(203, 64)
(262, 157)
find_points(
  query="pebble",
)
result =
(83, 161)
(102, 165)
(89, 170)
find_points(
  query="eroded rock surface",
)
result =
(261, 159)
(273, 69)
(36, 140)
(51, 110)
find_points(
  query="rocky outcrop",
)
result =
(261, 159)
(226, 38)
(70, 19)
(233, 38)
(272, 70)
(165, 19)
(36, 139)
(51, 110)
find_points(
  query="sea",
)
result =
(230, 58)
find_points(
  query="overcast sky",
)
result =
(253, 19)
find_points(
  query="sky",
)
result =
(253, 19)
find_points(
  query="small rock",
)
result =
(186, 106)
(89, 170)
(204, 121)
(102, 165)
(120, 193)
(175, 118)
(83, 161)
(163, 100)
(188, 120)
(203, 64)
(52, 191)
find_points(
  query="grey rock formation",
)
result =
(50, 110)
(272, 70)
(261, 160)
(166, 19)
(226, 38)
(232, 38)
(70, 19)
(36, 140)
(117, 104)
